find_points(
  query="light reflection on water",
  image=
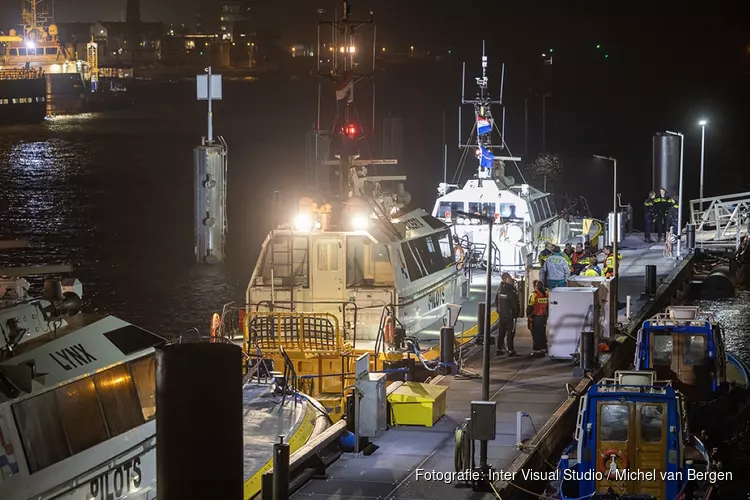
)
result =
(734, 316)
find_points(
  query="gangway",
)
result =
(721, 219)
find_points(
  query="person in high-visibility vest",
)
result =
(548, 248)
(538, 312)
(593, 268)
(609, 261)
(568, 255)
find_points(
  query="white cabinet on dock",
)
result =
(604, 287)
(571, 309)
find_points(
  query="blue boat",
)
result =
(632, 441)
(687, 348)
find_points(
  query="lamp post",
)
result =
(483, 462)
(616, 224)
(679, 196)
(703, 124)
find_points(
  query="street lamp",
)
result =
(679, 199)
(616, 224)
(703, 124)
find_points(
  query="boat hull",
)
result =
(22, 100)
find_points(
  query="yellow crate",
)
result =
(414, 403)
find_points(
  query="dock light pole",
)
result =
(703, 124)
(679, 196)
(615, 231)
(483, 462)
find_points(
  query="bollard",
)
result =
(651, 280)
(587, 351)
(690, 236)
(281, 470)
(627, 308)
(447, 346)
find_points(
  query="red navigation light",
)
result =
(497, 216)
(447, 215)
(350, 130)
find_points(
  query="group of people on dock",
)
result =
(660, 213)
(557, 266)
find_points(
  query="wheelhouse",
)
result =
(689, 350)
(79, 412)
(627, 424)
(407, 263)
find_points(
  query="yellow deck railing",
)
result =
(314, 333)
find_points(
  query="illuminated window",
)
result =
(119, 400)
(694, 352)
(327, 256)
(661, 350)
(144, 374)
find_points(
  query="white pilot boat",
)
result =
(524, 216)
(78, 404)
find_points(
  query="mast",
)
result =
(342, 61)
(480, 138)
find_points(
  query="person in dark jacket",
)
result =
(508, 309)
(649, 213)
(663, 206)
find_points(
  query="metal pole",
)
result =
(616, 222)
(486, 352)
(679, 199)
(210, 112)
(526, 127)
(544, 122)
(703, 147)
(281, 470)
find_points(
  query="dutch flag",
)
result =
(483, 126)
(486, 158)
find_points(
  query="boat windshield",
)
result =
(428, 254)
(368, 264)
(57, 424)
(446, 208)
(486, 209)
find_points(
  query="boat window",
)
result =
(535, 211)
(50, 51)
(81, 415)
(120, 404)
(130, 339)
(614, 420)
(327, 255)
(449, 208)
(14, 52)
(22, 52)
(652, 418)
(694, 349)
(486, 209)
(507, 210)
(288, 269)
(367, 264)
(661, 350)
(41, 431)
(144, 375)
(552, 206)
(415, 271)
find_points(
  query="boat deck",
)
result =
(532, 385)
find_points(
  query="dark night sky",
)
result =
(669, 65)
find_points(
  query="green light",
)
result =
(606, 56)
(598, 46)
(449, 51)
(551, 50)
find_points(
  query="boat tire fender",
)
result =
(621, 455)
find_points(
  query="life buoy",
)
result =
(215, 324)
(459, 255)
(606, 454)
(388, 330)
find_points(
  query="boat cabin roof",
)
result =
(88, 345)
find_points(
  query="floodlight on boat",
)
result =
(30, 44)
(360, 222)
(303, 222)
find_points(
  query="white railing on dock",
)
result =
(720, 218)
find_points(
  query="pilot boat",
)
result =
(687, 348)
(632, 441)
(354, 269)
(524, 217)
